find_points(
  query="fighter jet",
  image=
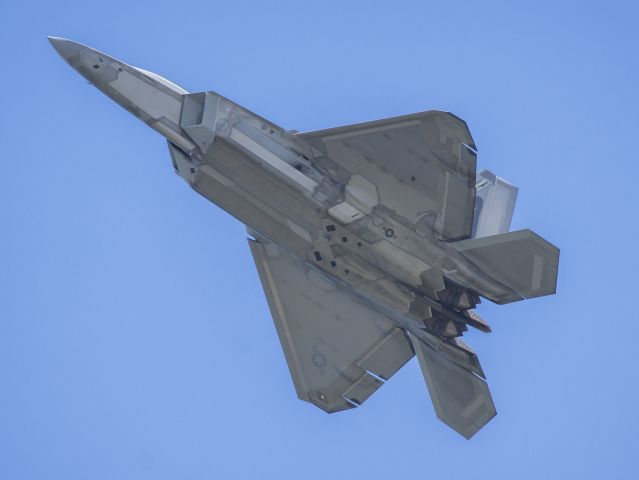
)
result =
(373, 242)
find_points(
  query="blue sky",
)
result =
(135, 340)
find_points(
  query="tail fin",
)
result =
(522, 261)
(494, 204)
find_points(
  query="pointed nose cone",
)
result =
(150, 97)
(67, 49)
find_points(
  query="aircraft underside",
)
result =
(374, 242)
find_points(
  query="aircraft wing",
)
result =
(338, 351)
(422, 164)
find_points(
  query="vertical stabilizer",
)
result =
(494, 205)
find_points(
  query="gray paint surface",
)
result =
(363, 235)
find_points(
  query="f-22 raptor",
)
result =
(374, 242)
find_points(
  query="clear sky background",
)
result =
(135, 340)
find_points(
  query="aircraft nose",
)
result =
(66, 48)
(150, 97)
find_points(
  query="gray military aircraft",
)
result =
(374, 242)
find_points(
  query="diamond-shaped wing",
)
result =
(423, 166)
(338, 350)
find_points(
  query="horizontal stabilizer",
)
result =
(460, 396)
(523, 262)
